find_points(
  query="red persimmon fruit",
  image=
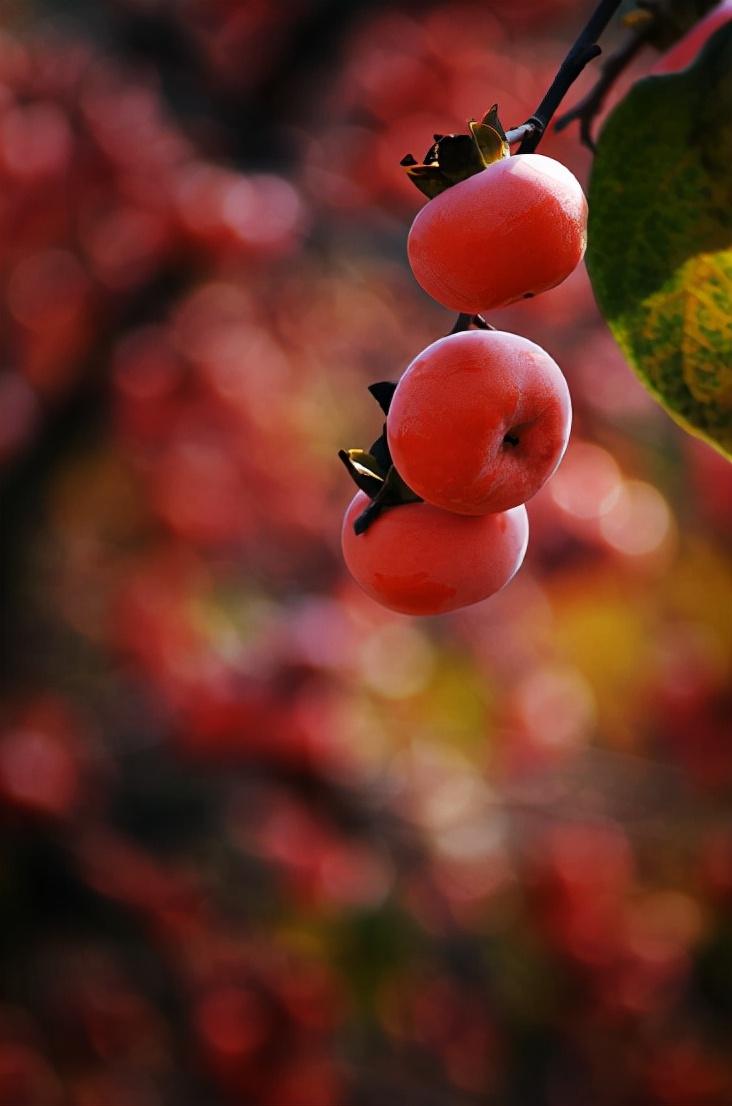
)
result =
(513, 230)
(479, 421)
(416, 559)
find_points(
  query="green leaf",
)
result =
(660, 238)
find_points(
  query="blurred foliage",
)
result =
(266, 844)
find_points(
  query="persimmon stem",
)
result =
(517, 134)
(464, 322)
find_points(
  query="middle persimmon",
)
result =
(479, 421)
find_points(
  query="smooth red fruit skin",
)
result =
(685, 51)
(454, 407)
(416, 559)
(513, 230)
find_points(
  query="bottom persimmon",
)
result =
(418, 559)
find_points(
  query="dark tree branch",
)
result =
(589, 107)
(583, 50)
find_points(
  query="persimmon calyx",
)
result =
(383, 393)
(455, 157)
(373, 471)
(364, 470)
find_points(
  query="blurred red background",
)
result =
(265, 843)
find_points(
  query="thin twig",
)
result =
(589, 107)
(583, 50)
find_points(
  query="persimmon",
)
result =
(511, 231)
(417, 559)
(479, 421)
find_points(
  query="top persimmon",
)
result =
(517, 228)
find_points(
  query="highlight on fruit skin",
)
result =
(418, 560)
(511, 231)
(479, 421)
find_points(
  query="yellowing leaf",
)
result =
(660, 238)
(707, 332)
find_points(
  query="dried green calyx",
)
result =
(455, 157)
(373, 471)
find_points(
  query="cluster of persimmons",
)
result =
(480, 419)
